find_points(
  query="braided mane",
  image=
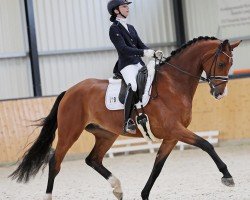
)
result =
(189, 43)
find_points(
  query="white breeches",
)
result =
(130, 72)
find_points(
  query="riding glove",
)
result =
(153, 54)
(149, 53)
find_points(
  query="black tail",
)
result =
(38, 154)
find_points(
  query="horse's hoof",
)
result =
(47, 197)
(228, 182)
(118, 195)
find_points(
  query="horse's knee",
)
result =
(89, 161)
(92, 161)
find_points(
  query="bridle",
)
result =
(210, 78)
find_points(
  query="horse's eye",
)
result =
(222, 64)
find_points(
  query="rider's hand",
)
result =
(158, 54)
(149, 53)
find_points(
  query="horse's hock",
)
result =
(229, 116)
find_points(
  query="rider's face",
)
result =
(124, 9)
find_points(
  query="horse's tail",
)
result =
(38, 154)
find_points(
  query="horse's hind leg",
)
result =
(52, 175)
(67, 135)
(193, 139)
(94, 159)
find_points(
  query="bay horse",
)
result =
(82, 107)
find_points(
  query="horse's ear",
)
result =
(235, 44)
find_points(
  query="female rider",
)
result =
(130, 49)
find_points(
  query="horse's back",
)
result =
(89, 86)
(85, 97)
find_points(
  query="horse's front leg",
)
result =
(163, 153)
(189, 137)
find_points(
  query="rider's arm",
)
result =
(120, 44)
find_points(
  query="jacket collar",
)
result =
(122, 27)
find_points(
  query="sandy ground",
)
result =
(190, 174)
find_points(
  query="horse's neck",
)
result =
(179, 82)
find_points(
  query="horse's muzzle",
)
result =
(217, 94)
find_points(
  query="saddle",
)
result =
(141, 80)
(116, 91)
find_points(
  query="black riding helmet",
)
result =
(113, 4)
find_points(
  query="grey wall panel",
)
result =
(79, 24)
(15, 78)
(202, 20)
(12, 39)
(59, 73)
(154, 20)
(241, 56)
(15, 75)
(71, 25)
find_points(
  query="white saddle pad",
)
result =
(112, 94)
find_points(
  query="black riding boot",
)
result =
(129, 124)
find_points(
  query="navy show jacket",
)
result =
(128, 45)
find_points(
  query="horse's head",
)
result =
(216, 64)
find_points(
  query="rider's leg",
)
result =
(129, 74)
(129, 124)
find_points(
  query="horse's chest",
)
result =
(181, 111)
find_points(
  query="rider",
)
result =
(130, 49)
